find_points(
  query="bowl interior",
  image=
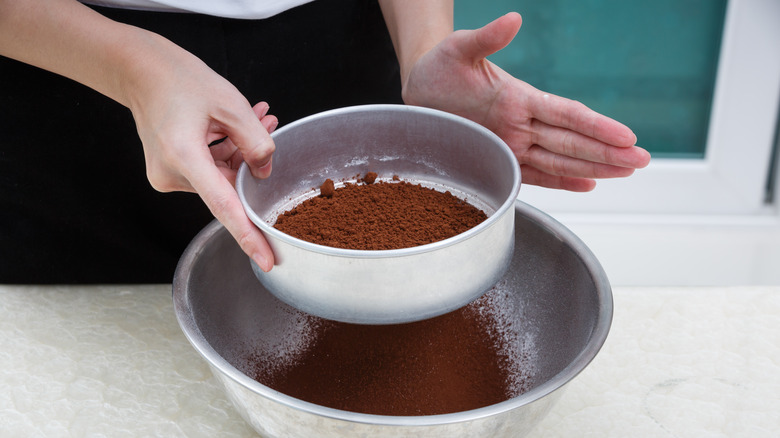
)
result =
(556, 305)
(419, 145)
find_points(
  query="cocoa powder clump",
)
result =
(379, 215)
(370, 178)
(327, 188)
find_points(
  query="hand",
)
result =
(179, 104)
(558, 142)
(188, 108)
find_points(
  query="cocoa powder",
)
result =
(452, 363)
(379, 215)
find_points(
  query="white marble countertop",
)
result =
(112, 362)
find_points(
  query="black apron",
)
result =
(75, 205)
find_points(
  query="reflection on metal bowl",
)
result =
(420, 145)
(556, 294)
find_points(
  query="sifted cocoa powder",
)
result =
(452, 363)
(379, 216)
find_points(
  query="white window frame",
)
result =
(697, 222)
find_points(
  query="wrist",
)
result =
(409, 57)
(415, 28)
(137, 64)
(148, 67)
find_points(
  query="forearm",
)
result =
(416, 26)
(70, 39)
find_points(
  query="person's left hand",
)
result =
(559, 143)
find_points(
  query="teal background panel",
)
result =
(648, 64)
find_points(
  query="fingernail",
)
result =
(265, 107)
(630, 138)
(262, 262)
(264, 171)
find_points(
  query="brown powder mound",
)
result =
(379, 216)
(451, 363)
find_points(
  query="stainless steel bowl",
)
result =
(558, 298)
(420, 145)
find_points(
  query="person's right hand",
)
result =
(180, 105)
(182, 109)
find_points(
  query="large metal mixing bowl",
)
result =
(558, 298)
(420, 145)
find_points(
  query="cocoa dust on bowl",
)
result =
(493, 368)
(451, 363)
(422, 147)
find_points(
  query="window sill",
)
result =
(665, 250)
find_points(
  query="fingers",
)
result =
(574, 144)
(561, 165)
(226, 154)
(572, 115)
(269, 122)
(221, 198)
(572, 141)
(491, 38)
(251, 137)
(214, 183)
(533, 176)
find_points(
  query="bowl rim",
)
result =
(244, 175)
(596, 340)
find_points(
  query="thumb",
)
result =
(250, 136)
(492, 37)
